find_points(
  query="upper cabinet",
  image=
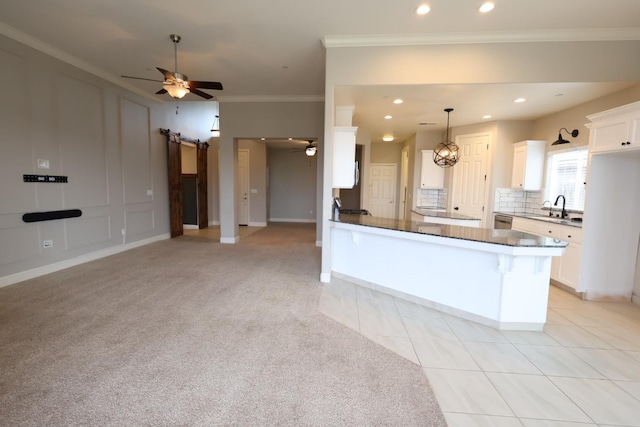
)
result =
(431, 175)
(528, 165)
(615, 130)
(345, 170)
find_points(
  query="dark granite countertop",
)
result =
(483, 235)
(444, 214)
(545, 218)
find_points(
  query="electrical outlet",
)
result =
(47, 244)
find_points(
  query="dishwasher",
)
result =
(502, 222)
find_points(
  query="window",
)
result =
(566, 175)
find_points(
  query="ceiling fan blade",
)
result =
(142, 78)
(161, 92)
(168, 75)
(205, 85)
(200, 93)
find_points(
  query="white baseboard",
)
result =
(325, 277)
(52, 268)
(214, 223)
(257, 224)
(319, 243)
(635, 299)
(230, 240)
(292, 220)
(190, 227)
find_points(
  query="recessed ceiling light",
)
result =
(423, 9)
(290, 139)
(387, 138)
(398, 101)
(388, 117)
(486, 116)
(486, 7)
(518, 100)
(263, 139)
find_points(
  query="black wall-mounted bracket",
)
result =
(45, 178)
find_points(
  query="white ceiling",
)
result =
(274, 50)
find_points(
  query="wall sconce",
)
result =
(446, 153)
(215, 127)
(560, 140)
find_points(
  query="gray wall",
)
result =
(292, 185)
(254, 120)
(106, 140)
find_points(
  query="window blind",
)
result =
(566, 174)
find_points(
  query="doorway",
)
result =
(176, 188)
(243, 187)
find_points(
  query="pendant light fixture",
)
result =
(215, 127)
(560, 140)
(446, 153)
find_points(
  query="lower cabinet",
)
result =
(564, 269)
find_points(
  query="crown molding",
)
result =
(271, 98)
(63, 56)
(569, 35)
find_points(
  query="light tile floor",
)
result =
(582, 370)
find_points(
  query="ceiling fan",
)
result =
(310, 150)
(177, 84)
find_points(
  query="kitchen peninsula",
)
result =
(437, 216)
(498, 278)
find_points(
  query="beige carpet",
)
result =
(190, 332)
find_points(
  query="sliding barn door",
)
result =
(203, 213)
(174, 164)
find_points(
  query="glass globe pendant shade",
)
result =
(175, 91)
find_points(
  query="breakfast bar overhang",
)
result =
(498, 278)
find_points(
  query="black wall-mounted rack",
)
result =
(45, 178)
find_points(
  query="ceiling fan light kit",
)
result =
(177, 85)
(446, 153)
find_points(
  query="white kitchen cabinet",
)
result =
(615, 130)
(528, 165)
(344, 157)
(431, 175)
(564, 269)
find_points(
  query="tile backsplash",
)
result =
(508, 200)
(434, 199)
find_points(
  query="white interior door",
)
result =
(404, 178)
(242, 196)
(382, 184)
(470, 174)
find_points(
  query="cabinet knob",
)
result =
(628, 142)
(569, 236)
(456, 208)
(624, 143)
(549, 231)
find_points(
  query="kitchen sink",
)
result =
(554, 220)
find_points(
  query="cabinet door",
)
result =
(344, 157)
(611, 135)
(431, 175)
(519, 167)
(569, 265)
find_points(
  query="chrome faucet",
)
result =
(563, 214)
